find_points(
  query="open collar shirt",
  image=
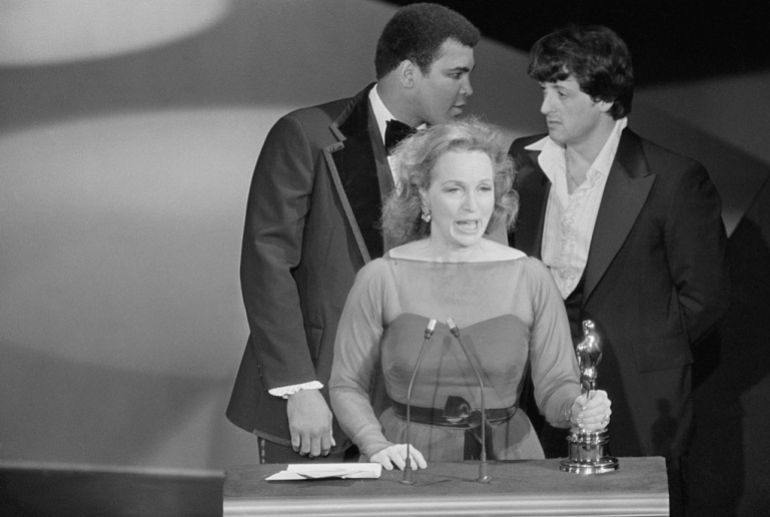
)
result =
(570, 217)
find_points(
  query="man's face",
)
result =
(572, 115)
(442, 92)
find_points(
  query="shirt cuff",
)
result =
(285, 391)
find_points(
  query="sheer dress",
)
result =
(510, 317)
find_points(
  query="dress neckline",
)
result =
(460, 262)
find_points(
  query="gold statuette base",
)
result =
(587, 453)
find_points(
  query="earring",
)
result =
(425, 215)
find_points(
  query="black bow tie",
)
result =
(396, 131)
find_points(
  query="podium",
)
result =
(81, 490)
(533, 487)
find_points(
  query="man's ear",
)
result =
(406, 73)
(604, 106)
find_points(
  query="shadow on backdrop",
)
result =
(728, 465)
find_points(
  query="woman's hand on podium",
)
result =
(396, 455)
(591, 412)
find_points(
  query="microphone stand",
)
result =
(484, 477)
(408, 477)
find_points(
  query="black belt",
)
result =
(456, 413)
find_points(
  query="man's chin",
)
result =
(452, 115)
(556, 136)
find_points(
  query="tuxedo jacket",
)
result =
(311, 223)
(655, 283)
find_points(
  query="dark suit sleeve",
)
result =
(695, 243)
(518, 154)
(532, 188)
(272, 245)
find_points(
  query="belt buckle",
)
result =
(457, 410)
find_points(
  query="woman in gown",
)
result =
(502, 306)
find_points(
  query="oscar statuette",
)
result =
(588, 449)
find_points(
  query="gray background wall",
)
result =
(128, 134)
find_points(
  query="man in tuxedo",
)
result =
(312, 222)
(632, 234)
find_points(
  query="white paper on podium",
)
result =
(306, 471)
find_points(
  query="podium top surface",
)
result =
(537, 487)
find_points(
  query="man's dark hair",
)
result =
(416, 32)
(595, 55)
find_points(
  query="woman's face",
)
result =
(461, 198)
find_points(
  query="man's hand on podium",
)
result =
(310, 423)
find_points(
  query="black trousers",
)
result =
(271, 452)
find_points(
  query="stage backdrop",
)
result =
(128, 134)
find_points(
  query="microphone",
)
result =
(408, 477)
(484, 477)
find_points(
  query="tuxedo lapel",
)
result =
(628, 185)
(353, 165)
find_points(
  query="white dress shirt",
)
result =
(570, 218)
(382, 115)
